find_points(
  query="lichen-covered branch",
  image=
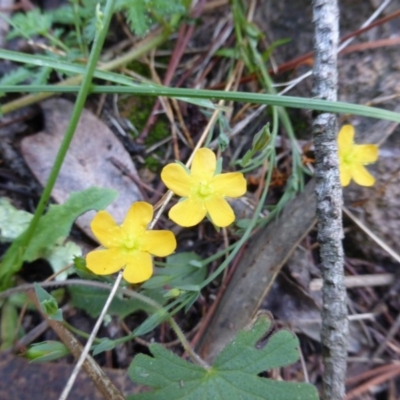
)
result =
(329, 202)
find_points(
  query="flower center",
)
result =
(203, 191)
(347, 158)
(131, 243)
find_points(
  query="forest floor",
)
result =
(137, 136)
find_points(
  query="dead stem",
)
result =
(334, 331)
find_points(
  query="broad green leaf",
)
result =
(53, 226)
(14, 222)
(57, 222)
(234, 375)
(92, 301)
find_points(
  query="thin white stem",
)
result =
(161, 210)
(91, 339)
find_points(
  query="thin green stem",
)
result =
(253, 220)
(186, 94)
(56, 42)
(145, 47)
(79, 332)
(77, 23)
(186, 345)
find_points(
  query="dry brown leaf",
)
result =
(87, 161)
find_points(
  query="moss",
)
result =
(152, 164)
(137, 110)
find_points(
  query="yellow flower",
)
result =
(353, 157)
(129, 245)
(203, 191)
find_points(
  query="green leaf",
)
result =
(178, 272)
(247, 157)
(12, 221)
(105, 345)
(223, 141)
(261, 138)
(234, 375)
(8, 325)
(48, 303)
(42, 76)
(141, 12)
(29, 24)
(15, 76)
(193, 94)
(57, 222)
(61, 255)
(267, 53)
(46, 351)
(152, 322)
(138, 18)
(92, 301)
(205, 103)
(218, 168)
(84, 273)
(228, 52)
(52, 227)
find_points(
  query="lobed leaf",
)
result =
(233, 375)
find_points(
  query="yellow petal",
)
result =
(105, 262)
(346, 137)
(187, 213)
(345, 175)
(231, 184)
(365, 153)
(159, 243)
(177, 179)
(138, 217)
(220, 212)
(106, 230)
(204, 163)
(361, 176)
(139, 268)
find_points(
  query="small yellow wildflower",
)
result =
(129, 245)
(203, 191)
(353, 157)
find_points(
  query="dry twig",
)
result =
(334, 330)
